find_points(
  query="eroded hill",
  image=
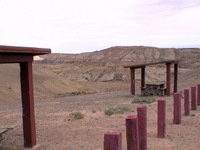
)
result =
(73, 74)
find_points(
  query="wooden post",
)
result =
(175, 77)
(193, 98)
(168, 72)
(161, 122)
(198, 94)
(142, 77)
(142, 127)
(112, 141)
(132, 133)
(27, 104)
(186, 102)
(177, 109)
(132, 70)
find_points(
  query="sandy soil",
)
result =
(55, 131)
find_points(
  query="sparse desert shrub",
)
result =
(145, 99)
(94, 111)
(117, 110)
(76, 116)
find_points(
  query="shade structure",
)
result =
(24, 57)
(168, 74)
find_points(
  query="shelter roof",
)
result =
(152, 63)
(13, 50)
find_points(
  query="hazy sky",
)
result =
(73, 26)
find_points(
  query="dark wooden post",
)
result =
(142, 77)
(112, 141)
(27, 104)
(132, 133)
(193, 98)
(177, 109)
(142, 127)
(198, 94)
(168, 72)
(186, 102)
(132, 70)
(175, 77)
(161, 119)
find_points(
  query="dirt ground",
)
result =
(55, 131)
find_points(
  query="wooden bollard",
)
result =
(177, 109)
(132, 133)
(193, 98)
(186, 102)
(161, 122)
(142, 127)
(198, 94)
(113, 141)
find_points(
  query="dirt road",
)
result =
(56, 131)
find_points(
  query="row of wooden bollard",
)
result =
(195, 100)
(136, 125)
(136, 133)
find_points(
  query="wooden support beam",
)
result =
(175, 77)
(168, 72)
(28, 104)
(142, 77)
(8, 58)
(132, 70)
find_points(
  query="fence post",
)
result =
(198, 94)
(177, 109)
(186, 102)
(132, 132)
(161, 122)
(193, 98)
(113, 141)
(142, 127)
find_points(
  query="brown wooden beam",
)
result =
(27, 104)
(142, 77)
(132, 70)
(175, 77)
(24, 50)
(154, 63)
(7, 58)
(168, 72)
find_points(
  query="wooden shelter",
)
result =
(168, 72)
(24, 56)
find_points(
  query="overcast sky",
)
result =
(74, 26)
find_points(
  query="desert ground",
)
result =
(56, 130)
(86, 91)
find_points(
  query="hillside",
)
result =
(122, 55)
(58, 75)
